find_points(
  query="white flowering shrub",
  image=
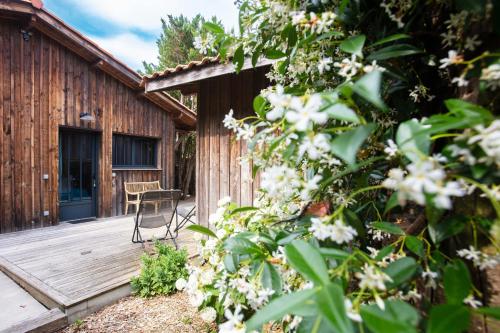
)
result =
(378, 149)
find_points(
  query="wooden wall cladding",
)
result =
(219, 172)
(43, 87)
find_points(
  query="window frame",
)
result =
(134, 142)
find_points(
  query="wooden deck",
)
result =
(78, 268)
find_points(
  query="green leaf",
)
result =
(307, 260)
(401, 271)
(394, 51)
(388, 227)
(493, 312)
(476, 6)
(398, 317)
(243, 209)
(342, 112)
(368, 87)
(346, 145)
(334, 253)
(331, 305)
(259, 104)
(231, 262)
(241, 245)
(448, 228)
(293, 303)
(415, 245)
(391, 203)
(239, 58)
(213, 27)
(390, 39)
(354, 45)
(270, 278)
(457, 282)
(448, 318)
(413, 140)
(202, 230)
(274, 54)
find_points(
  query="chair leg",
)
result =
(126, 208)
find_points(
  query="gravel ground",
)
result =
(170, 314)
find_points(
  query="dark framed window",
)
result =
(134, 151)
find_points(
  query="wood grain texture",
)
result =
(44, 86)
(219, 170)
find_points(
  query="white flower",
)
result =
(372, 278)
(196, 299)
(392, 149)
(491, 75)
(208, 314)
(315, 147)
(348, 67)
(488, 138)
(229, 121)
(310, 186)
(324, 64)
(204, 45)
(280, 182)
(207, 277)
(471, 43)
(342, 233)
(460, 81)
(245, 132)
(479, 259)
(373, 67)
(305, 116)
(430, 278)
(453, 58)
(351, 313)
(443, 194)
(217, 216)
(472, 302)
(298, 17)
(224, 201)
(319, 228)
(234, 321)
(280, 102)
(180, 284)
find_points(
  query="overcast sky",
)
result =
(128, 29)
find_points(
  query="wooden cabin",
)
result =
(75, 124)
(219, 89)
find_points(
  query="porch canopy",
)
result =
(220, 171)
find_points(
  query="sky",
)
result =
(128, 29)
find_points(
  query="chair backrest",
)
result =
(157, 208)
(138, 187)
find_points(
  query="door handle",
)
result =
(94, 183)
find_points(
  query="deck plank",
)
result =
(77, 262)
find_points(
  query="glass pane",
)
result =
(74, 168)
(87, 167)
(64, 181)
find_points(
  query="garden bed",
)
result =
(134, 314)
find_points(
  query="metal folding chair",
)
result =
(188, 215)
(157, 209)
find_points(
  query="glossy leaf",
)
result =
(413, 140)
(331, 305)
(401, 271)
(354, 45)
(388, 227)
(448, 318)
(300, 302)
(390, 39)
(329, 252)
(493, 312)
(398, 317)
(415, 245)
(213, 27)
(457, 282)
(346, 145)
(391, 203)
(307, 260)
(202, 230)
(368, 87)
(241, 245)
(394, 51)
(239, 58)
(270, 278)
(342, 112)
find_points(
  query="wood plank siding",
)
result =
(44, 87)
(219, 172)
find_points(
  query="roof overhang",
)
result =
(186, 79)
(34, 17)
